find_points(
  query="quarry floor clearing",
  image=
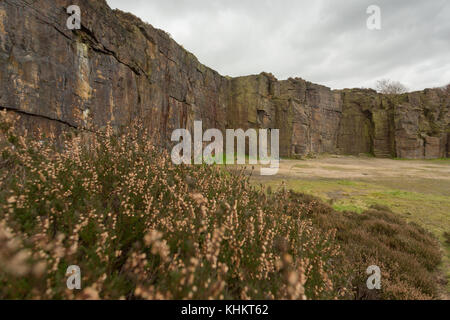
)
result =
(418, 190)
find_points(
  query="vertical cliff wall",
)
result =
(412, 125)
(117, 68)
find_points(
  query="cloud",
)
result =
(323, 41)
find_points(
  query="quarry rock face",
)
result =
(117, 68)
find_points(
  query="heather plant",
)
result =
(407, 255)
(140, 227)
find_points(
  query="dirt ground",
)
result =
(418, 190)
(338, 167)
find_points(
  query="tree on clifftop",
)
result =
(387, 86)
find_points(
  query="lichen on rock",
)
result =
(118, 68)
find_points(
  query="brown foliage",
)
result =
(140, 227)
(407, 254)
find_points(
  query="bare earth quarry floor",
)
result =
(418, 190)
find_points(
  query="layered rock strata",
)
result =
(117, 68)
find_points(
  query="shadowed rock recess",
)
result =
(118, 68)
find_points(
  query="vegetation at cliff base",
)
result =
(140, 227)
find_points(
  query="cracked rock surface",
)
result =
(118, 68)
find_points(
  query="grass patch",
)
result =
(407, 253)
(428, 206)
(302, 166)
(348, 207)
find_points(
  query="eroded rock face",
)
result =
(421, 124)
(413, 125)
(117, 68)
(114, 69)
(306, 114)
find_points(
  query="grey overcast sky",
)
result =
(323, 41)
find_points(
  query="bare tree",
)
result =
(387, 86)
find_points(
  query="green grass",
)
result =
(348, 207)
(423, 201)
(440, 161)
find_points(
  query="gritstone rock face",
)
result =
(118, 68)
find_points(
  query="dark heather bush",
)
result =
(407, 254)
(140, 227)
